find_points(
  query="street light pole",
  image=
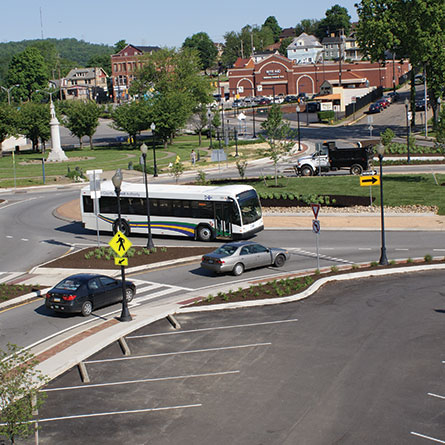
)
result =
(383, 259)
(408, 129)
(155, 167)
(8, 90)
(298, 119)
(144, 150)
(117, 182)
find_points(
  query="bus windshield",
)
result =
(250, 206)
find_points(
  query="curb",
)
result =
(312, 289)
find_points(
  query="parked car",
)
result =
(264, 101)
(84, 292)
(420, 104)
(375, 108)
(394, 96)
(385, 103)
(236, 257)
(237, 103)
(279, 99)
(313, 107)
(419, 79)
(290, 99)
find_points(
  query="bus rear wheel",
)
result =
(125, 228)
(204, 233)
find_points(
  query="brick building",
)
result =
(123, 67)
(276, 74)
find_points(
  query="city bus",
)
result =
(199, 212)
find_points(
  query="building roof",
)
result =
(305, 41)
(83, 73)
(287, 32)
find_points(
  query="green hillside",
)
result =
(63, 53)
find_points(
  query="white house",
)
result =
(305, 49)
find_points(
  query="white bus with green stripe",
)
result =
(198, 212)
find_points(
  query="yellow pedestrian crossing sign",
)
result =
(118, 261)
(369, 180)
(120, 243)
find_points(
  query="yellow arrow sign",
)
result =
(120, 243)
(120, 261)
(369, 180)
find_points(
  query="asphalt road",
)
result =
(358, 362)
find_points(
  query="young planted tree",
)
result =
(19, 392)
(33, 122)
(176, 169)
(199, 121)
(133, 118)
(8, 123)
(82, 119)
(278, 137)
(387, 136)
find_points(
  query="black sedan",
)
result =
(375, 108)
(85, 292)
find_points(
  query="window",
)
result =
(107, 281)
(94, 284)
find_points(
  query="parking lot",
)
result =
(359, 362)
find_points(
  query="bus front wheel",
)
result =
(204, 233)
(125, 228)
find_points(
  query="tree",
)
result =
(278, 134)
(133, 118)
(176, 87)
(337, 19)
(284, 44)
(232, 48)
(207, 51)
(8, 123)
(19, 392)
(82, 119)
(387, 136)
(199, 121)
(33, 122)
(176, 169)
(413, 29)
(119, 46)
(309, 26)
(29, 71)
(100, 62)
(272, 23)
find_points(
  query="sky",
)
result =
(150, 23)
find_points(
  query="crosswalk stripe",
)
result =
(9, 276)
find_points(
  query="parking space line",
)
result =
(436, 395)
(427, 437)
(166, 354)
(114, 413)
(235, 326)
(150, 380)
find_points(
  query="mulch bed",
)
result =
(10, 291)
(77, 259)
(290, 285)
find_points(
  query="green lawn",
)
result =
(397, 189)
(28, 166)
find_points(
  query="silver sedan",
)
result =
(236, 257)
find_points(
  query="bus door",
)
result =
(223, 224)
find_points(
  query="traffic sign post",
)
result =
(316, 230)
(120, 243)
(315, 209)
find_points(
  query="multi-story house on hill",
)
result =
(123, 67)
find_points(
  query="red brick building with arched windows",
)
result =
(277, 75)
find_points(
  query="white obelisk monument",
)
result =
(57, 154)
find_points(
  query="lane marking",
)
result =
(24, 239)
(402, 249)
(114, 413)
(427, 437)
(166, 354)
(296, 251)
(436, 395)
(235, 326)
(17, 202)
(364, 248)
(438, 250)
(128, 382)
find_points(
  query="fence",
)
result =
(363, 101)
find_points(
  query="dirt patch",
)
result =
(93, 258)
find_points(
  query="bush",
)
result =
(326, 116)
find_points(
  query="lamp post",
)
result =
(144, 150)
(155, 167)
(297, 108)
(383, 260)
(439, 100)
(209, 115)
(117, 182)
(8, 90)
(408, 129)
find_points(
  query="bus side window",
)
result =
(165, 207)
